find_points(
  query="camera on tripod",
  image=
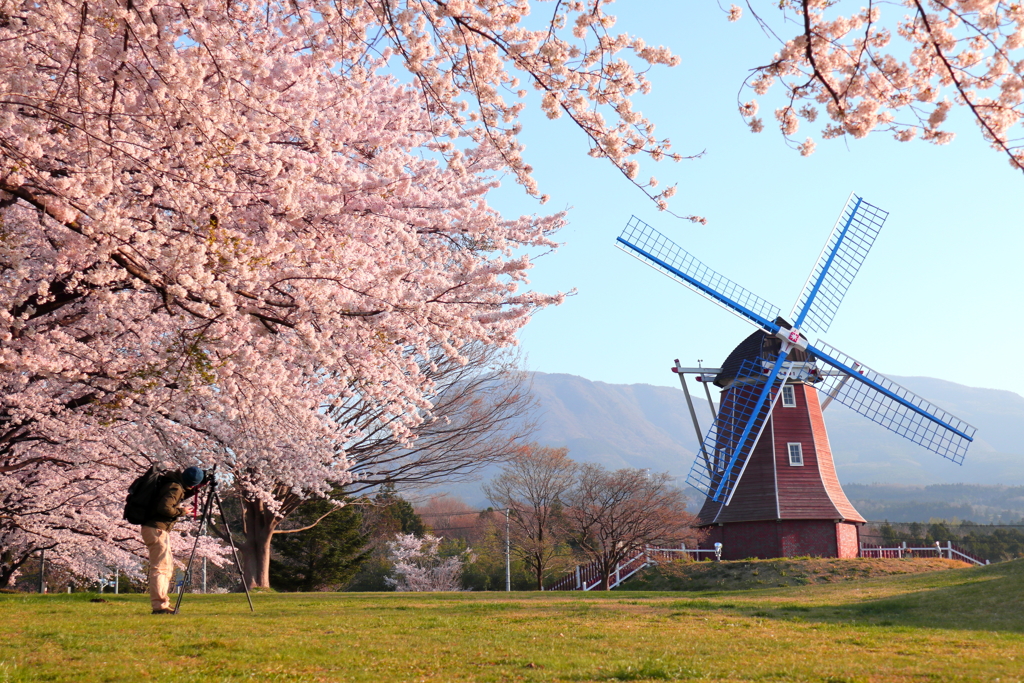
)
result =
(206, 506)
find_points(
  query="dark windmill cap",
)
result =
(761, 345)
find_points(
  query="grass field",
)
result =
(952, 625)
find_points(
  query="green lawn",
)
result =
(954, 625)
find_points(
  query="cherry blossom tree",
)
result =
(71, 506)
(418, 564)
(198, 206)
(221, 218)
(893, 66)
(475, 418)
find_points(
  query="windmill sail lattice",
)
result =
(841, 258)
(746, 405)
(650, 246)
(949, 436)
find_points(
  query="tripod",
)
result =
(211, 497)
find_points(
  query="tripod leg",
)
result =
(188, 568)
(234, 552)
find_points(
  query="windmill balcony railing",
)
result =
(939, 549)
(587, 577)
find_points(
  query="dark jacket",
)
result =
(171, 494)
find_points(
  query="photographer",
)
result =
(175, 488)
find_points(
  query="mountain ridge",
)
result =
(649, 426)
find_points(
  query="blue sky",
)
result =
(938, 296)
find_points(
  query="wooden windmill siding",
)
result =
(779, 509)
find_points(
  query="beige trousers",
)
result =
(161, 565)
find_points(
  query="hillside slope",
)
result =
(641, 425)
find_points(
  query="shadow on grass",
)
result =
(988, 599)
(651, 670)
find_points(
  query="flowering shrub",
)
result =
(420, 566)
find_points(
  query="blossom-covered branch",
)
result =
(871, 69)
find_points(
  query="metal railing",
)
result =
(681, 553)
(586, 577)
(947, 550)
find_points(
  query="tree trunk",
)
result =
(9, 566)
(6, 573)
(258, 524)
(603, 586)
(539, 555)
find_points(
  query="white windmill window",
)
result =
(788, 396)
(796, 455)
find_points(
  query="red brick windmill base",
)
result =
(782, 509)
(786, 538)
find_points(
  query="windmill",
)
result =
(779, 495)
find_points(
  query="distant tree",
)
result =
(452, 518)
(385, 516)
(993, 542)
(938, 531)
(419, 565)
(889, 535)
(532, 486)
(487, 572)
(612, 515)
(463, 527)
(997, 545)
(389, 514)
(323, 552)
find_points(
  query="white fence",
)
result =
(588, 576)
(938, 550)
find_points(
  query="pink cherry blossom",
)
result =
(881, 67)
(221, 219)
(418, 566)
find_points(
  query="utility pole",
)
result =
(508, 555)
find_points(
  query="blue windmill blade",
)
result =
(899, 410)
(741, 418)
(651, 247)
(844, 253)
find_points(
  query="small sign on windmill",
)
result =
(778, 495)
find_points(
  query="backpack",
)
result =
(138, 505)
